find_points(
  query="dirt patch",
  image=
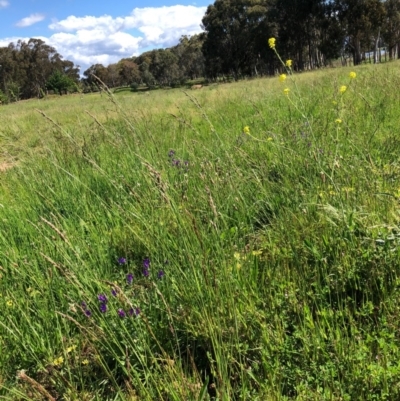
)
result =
(6, 166)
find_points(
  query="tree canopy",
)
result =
(311, 33)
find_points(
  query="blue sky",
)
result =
(97, 31)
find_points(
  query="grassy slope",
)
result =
(280, 249)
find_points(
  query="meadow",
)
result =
(238, 242)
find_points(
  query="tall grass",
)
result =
(152, 250)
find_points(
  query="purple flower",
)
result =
(129, 278)
(114, 292)
(146, 263)
(134, 311)
(88, 313)
(171, 153)
(102, 298)
(121, 261)
(103, 308)
(121, 313)
(146, 272)
(160, 274)
(176, 162)
(83, 303)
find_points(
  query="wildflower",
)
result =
(58, 361)
(129, 278)
(71, 348)
(102, 298)
(271, 43)
(114, 292)
(83, 303)
(256, 253)
(137, 311)
(103, 308)
(88, 313)
(160, 274)
(121, 261)
(246, 130)
(9, 303)
(343, 89)
(282, 77)
(289, 63)
(121, 313)
(237, 256)
(269, 139)
(338, 121)
(85, 362)
(171, 153)
(146, 267)
(352, 75)
(286, 91)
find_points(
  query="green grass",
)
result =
(280, 249)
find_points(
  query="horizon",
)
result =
(90, 33)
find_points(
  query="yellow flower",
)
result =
(58, 361)
(352, 75)
(289, 63)
(256, 253)
(71, 348)
(246, 130)
(9, 303)
(85, 362)
(282, 77)
(343, 89)
(236, 255)
(286, 91)
(271, 43)
(338, 121)
(269, 139)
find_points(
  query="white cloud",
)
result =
(4, 3)
(28, 21)
(88, 40)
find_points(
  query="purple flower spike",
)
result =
(146, 272)
(114, 292)
(103, 308)
(121, 313)
(122, 261)
(171, 153)
(160, 274)
(129, 278)
(83, 303)
(137, 311)
(102, 298)
(146, 263)
(131, 312)
(88, 313)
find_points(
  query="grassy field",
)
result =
(153, 248)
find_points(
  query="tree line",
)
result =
(233, 44)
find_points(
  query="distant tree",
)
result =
(27, 66)
(59, 82)
(231, 27)
(391, 27)
(128, 72)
